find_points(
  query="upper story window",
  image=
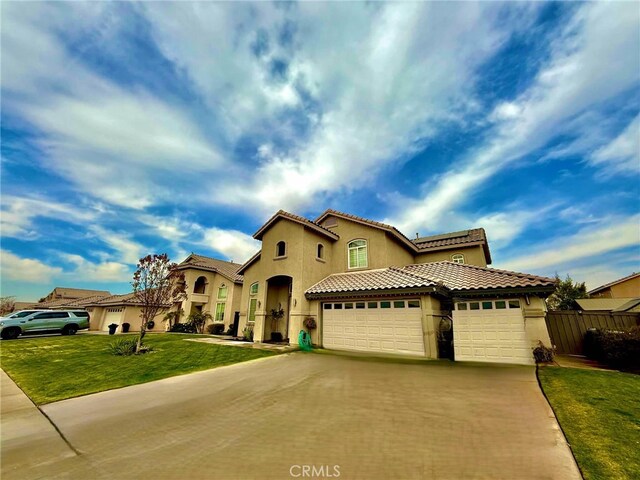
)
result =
(281, 249)
(253, 289)
(457, 258)
(200, 286)
(320, 251)
(357, 250)
(222, 292)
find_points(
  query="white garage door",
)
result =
(112, 315)
(491, 331)
(386, 326)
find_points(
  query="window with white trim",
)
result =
(253, 302)
(222, 292)
(457, 258)
(357, 250)
(220, 312)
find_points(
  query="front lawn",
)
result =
(49, 369)
(599, 412)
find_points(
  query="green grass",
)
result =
(599, 412)
(49, 369)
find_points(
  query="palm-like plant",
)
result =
(199, 320)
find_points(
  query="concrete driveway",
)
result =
(281, 417)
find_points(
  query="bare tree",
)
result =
(7, 305)
(157, 284)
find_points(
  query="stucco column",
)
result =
(430, 319)
(534, 321)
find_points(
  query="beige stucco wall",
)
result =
(472, 256)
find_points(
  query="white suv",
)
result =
(67, 322)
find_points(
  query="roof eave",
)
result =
(370, 293)
(541, 290)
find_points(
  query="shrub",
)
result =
(543, 354)
(183, 328)
(215, 328)
(247, 333)
(127, 346)
(618, 349)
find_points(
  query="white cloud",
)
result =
(586, 243)
(112, 143)
(384, 77)
(129, 251)
(237, 246)
(87, 271)
(29, 270)
(622, 155)
(583, 72)
(18, 214)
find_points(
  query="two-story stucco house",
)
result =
(370, 288)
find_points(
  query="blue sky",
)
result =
(130, 128)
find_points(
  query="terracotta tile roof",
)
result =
(383, 226)
(382, 279)
(456, 276)
(295, 218)
(475, 236)
(228, 269)
(127, 298)
(615, 282)
(79, 292)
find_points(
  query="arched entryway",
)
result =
(276, 325)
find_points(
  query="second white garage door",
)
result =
(384, 326)
(491, 331)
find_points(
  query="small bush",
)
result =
(247, 333)
(127, 346)
(543, 354)
(310, 323)
(618, 349)
(215, 329)
(183, 328)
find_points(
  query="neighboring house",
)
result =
(119, 309)
(626, 287)
(609, 304)
(212, 286)
(64, 293)
(372, 289)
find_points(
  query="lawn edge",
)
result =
(244, 362)
(42, 412)
(556, 417)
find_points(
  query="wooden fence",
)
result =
(567, 327)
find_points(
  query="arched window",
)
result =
(320, 252)
(281, 249)
(457, 258)
(200, 286)
(357, 250)
(222, 292)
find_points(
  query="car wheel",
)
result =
(69, 330)
(10, 333)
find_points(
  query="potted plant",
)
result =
(277, 314)
(310, 323)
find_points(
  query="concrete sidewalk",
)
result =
(28, 438)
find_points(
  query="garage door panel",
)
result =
(491, 336)
(388, 330)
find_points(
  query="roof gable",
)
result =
(615, 282)
(224, 268)
(282, 215)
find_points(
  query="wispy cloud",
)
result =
(622, 154)
(582, 72)
(588, 242)
(26, 269)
